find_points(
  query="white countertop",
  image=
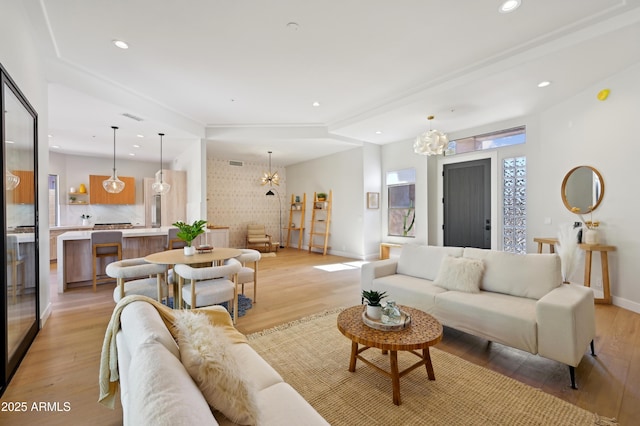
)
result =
(126, 233)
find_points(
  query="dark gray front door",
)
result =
(467, 204)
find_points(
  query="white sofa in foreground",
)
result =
(157, 389)
(516, 300)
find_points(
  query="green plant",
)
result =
(85, 216)
(322, 195)
(405, 229)
(373, 297)
(187, 232)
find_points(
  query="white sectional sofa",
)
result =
(156, 389)
(519, 300)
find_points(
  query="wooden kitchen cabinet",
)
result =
(97, 194)
(23, 194)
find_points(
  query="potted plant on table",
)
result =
(188, 233)
(85, 219)
(373, 298)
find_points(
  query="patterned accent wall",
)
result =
(236, 198)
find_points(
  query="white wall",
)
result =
(372, 179)
(193, 160)
(341, 173)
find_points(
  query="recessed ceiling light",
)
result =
(378, 132)
(136, 146)
(544, 83)
(50, 136)
(140, 136)
(8, 141)
(121, 44)
(131, 154)
(316, 104)
(55, 146)
(509, 6)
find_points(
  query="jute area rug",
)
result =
(313, 357)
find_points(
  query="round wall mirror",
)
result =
(582, 189)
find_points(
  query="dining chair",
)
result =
(104, 244)
(248, 274)
(257, 237)
(137, 276)
(210, 285)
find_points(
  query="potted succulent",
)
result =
(85, 219)
(373, 298)
(321, 196)
(188, 233)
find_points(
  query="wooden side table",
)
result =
(588, 249)
(385, 249)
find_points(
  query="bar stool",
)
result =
(15, 259)
(248, 274)
(149, 279)
(105, 244)
(173, 242)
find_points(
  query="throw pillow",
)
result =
(206, 353)
(461, 274)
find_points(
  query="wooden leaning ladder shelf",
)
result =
(294, 208)
(320, 221)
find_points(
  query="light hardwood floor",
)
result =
(62, 364)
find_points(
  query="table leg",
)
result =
(177, 290)
(539, 247)
(604, 259)
(354, 355)
(587, 268)
(395, 376)
(427, 362)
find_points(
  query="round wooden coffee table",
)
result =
(424, 331)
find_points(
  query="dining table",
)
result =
(201, 258)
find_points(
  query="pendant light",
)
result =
(12, 181)
(113, 185)
(431, 142)
(160, 186)
(270, 178)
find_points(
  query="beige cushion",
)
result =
(206, 354)
(161, 392)
(524, 275)
(424, 261)
(461, 274)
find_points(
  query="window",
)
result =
(514, 136)
(514, 205)
(401, 197)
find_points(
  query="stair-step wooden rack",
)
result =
(320, 222)
(297, 210)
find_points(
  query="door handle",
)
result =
(487, 227)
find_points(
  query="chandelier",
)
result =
(431, 142)
(270, 178)
(113, 185)
(160, 186)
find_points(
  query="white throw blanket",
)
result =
(109, 377)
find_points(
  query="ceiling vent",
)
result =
(236, 163)
(133, 117)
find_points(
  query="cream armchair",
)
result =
(257, 237)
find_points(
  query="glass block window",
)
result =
(514, 184)
(401, 196)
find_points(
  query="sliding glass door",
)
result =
(20, 290)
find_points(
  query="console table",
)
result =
(385, 249)
(588, 249)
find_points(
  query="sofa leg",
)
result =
(593, 350)
(572, 373)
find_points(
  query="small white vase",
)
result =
(591, 236)
(374, 312)
(189, 251)
(85, 222)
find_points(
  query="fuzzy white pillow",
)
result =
(205, 352)
(461, 274)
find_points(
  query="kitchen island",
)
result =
(74, 255)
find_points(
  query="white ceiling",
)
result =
(234, 72)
